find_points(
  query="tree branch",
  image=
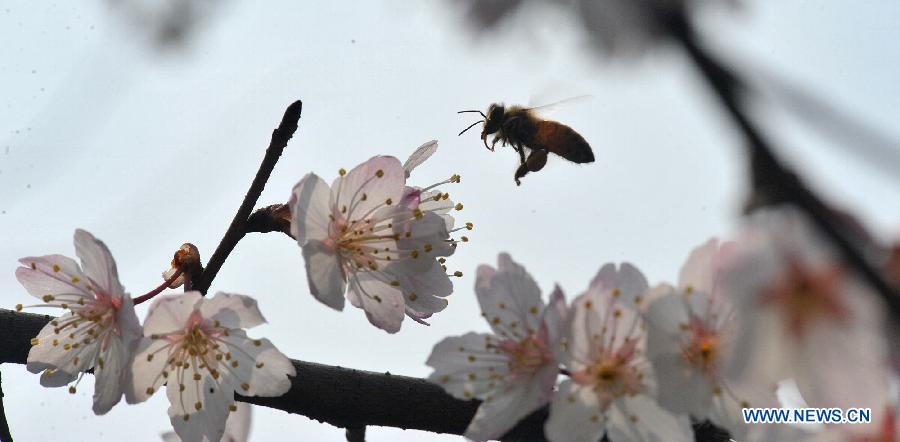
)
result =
(4, 425)
(342, 397)
(237, 229)
(773, 179)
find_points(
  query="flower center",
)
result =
(613, 374)
(526, 356)
(703, 350)
(805, 296)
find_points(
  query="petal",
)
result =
(465, 367)
(324, 274)
(627, 279)
(425, 292)
(63, 349)
(575, 415)
(640, 418)
(150, 360)
(680, 387)
(382, 302)
(554, 316)
(232, 311)
(259, 368)
(310, 209)
(170, 313)
(509, 298)
(210, 421)
(700, 269)
(113, 377)
(505, 409)
(98, 263)
(419, 156)
(53, 275)
(237, 427)
(368, 186)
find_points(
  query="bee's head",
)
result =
(494, 119)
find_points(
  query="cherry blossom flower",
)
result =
(197, 348)
(237, 427)
(377, 241)
(803, 316)
(512, 370)
(611, 385)
(100, 329)
(690, 339)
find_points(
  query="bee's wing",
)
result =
(545, 110)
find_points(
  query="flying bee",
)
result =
(523, 129)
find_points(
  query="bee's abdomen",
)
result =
(563, 141)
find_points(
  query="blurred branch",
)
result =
(773, 179)
(343, 397)
(4, 425)
(237, 229)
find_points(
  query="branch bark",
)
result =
(238, 227)
(343, 397)
(5, 436)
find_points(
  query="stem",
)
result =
(769, 174)
(159, 289)
(237, 229)
(4, 426)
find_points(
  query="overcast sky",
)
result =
(148, 148)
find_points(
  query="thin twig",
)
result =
(237, 229)
(165, 284)
(769, 174)
(4, 425)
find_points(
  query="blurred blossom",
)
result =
(512, 370)
(612, 385)
(802, 315)
(99, 331)
(619, 27)
(376, 240)
(237, 427)
(166, 23)
(197, 347)
(691, 336)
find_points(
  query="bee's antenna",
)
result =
(470, 126)
(473, 111)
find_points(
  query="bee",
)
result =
(523, 129)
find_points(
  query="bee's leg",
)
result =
(535, 162)
(521, 150)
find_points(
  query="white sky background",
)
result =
(148, 149)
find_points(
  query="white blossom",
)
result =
(611, 385)
(376, 240)
(197, 348)
(100, 329)
(512, 370)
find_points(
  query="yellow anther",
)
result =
(71, 390)
(428, 248)
(458, 206)
(389, 201)
(197, 376)
(395, 283)
(232, 408)
(379, 173)
(48, 298)
(457, 274)
(470, 226)
(245, 386)
(55, 268)
(414, 254)
(413, 296)
(342, 172)
(198, 406)
(257, 342)
(35, 341)
(464, 238)
(150, 390)
(19, 307)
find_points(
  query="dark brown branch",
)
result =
(237, 229)
(356, 434)
(773, 179)
(342, 397)
(5, 436)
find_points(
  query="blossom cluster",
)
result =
(638, 361)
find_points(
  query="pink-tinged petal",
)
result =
(466, 367)
(510, 300)
(575, 415)
(680, 387)
(368, 186)
(48, 354)
(147, 369)
(425, 292)
(700, 269)
(310, 210)
(382, 302)
(257, 365)
(554, 316)
(419, 156)
(506, 408)
(170, 313)
(232, 311)
(52, 275)
(627, 280)
(113, 377)
(98, 263)
(324, 274)
(640, 418)
(207, 424)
